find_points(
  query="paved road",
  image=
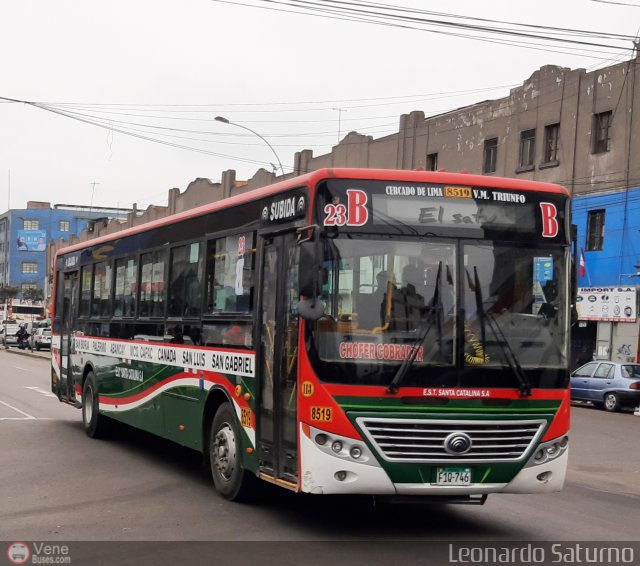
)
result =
(57, 484)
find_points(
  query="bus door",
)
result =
(68, 321)
(278, 369)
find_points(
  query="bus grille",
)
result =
(422, 440)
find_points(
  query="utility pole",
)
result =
(93, 190)
(5, 257)
(340, 111)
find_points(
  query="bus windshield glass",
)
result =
(463, 310)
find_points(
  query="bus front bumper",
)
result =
(328, 471)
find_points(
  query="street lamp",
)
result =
(226, 121)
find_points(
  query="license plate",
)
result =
(453, 476)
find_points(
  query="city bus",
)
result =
(347, 331)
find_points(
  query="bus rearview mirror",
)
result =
(308, 277)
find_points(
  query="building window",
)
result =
(595, 230)
(551, 138)
(29, 267)
(490, 155)
(527, 149)
(64, 225)
(31, 224)
(28, 286)
(601, 132)
(432, 162)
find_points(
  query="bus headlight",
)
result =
(548, 451)
(341, 446)
(321, 439)
(355, 452)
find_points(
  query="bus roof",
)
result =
(401, 175)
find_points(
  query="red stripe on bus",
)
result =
(219, 380)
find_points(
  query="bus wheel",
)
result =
(225, 446)
(95, 424)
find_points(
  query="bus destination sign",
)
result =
(435, 206)
(454, 206)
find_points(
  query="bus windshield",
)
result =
(465, 311)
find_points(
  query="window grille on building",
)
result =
(595, 230)
(29, 267)
(602, 132)
(490, 155)
(31, 224)
(65, 225)
(551, 139)
(527, 148)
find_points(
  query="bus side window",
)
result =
(230, 274)
(101, 289)
(57, 321)
(227, 333)
(125, 287)
(152, 284)
(185, 281)
(85, 290)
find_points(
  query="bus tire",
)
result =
(225, 455)
(95, 424)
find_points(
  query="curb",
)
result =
(26, 353)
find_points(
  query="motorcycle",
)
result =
(23, 342)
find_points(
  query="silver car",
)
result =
(40, 338)
(8, 335)
(607, 384)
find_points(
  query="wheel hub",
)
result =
(224, 451)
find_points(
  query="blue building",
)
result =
(609, 235)
(24, 234)
(609, 243)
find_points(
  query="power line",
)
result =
(343, 13)
(617, 3)
(211, 107)
(146, 138)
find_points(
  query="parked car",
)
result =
(607, 384)
(8, 333)
(41, 338)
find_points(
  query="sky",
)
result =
(162, 70)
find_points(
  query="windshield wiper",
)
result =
(512, 360)
(435, 309)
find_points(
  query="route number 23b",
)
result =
(354, 213)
